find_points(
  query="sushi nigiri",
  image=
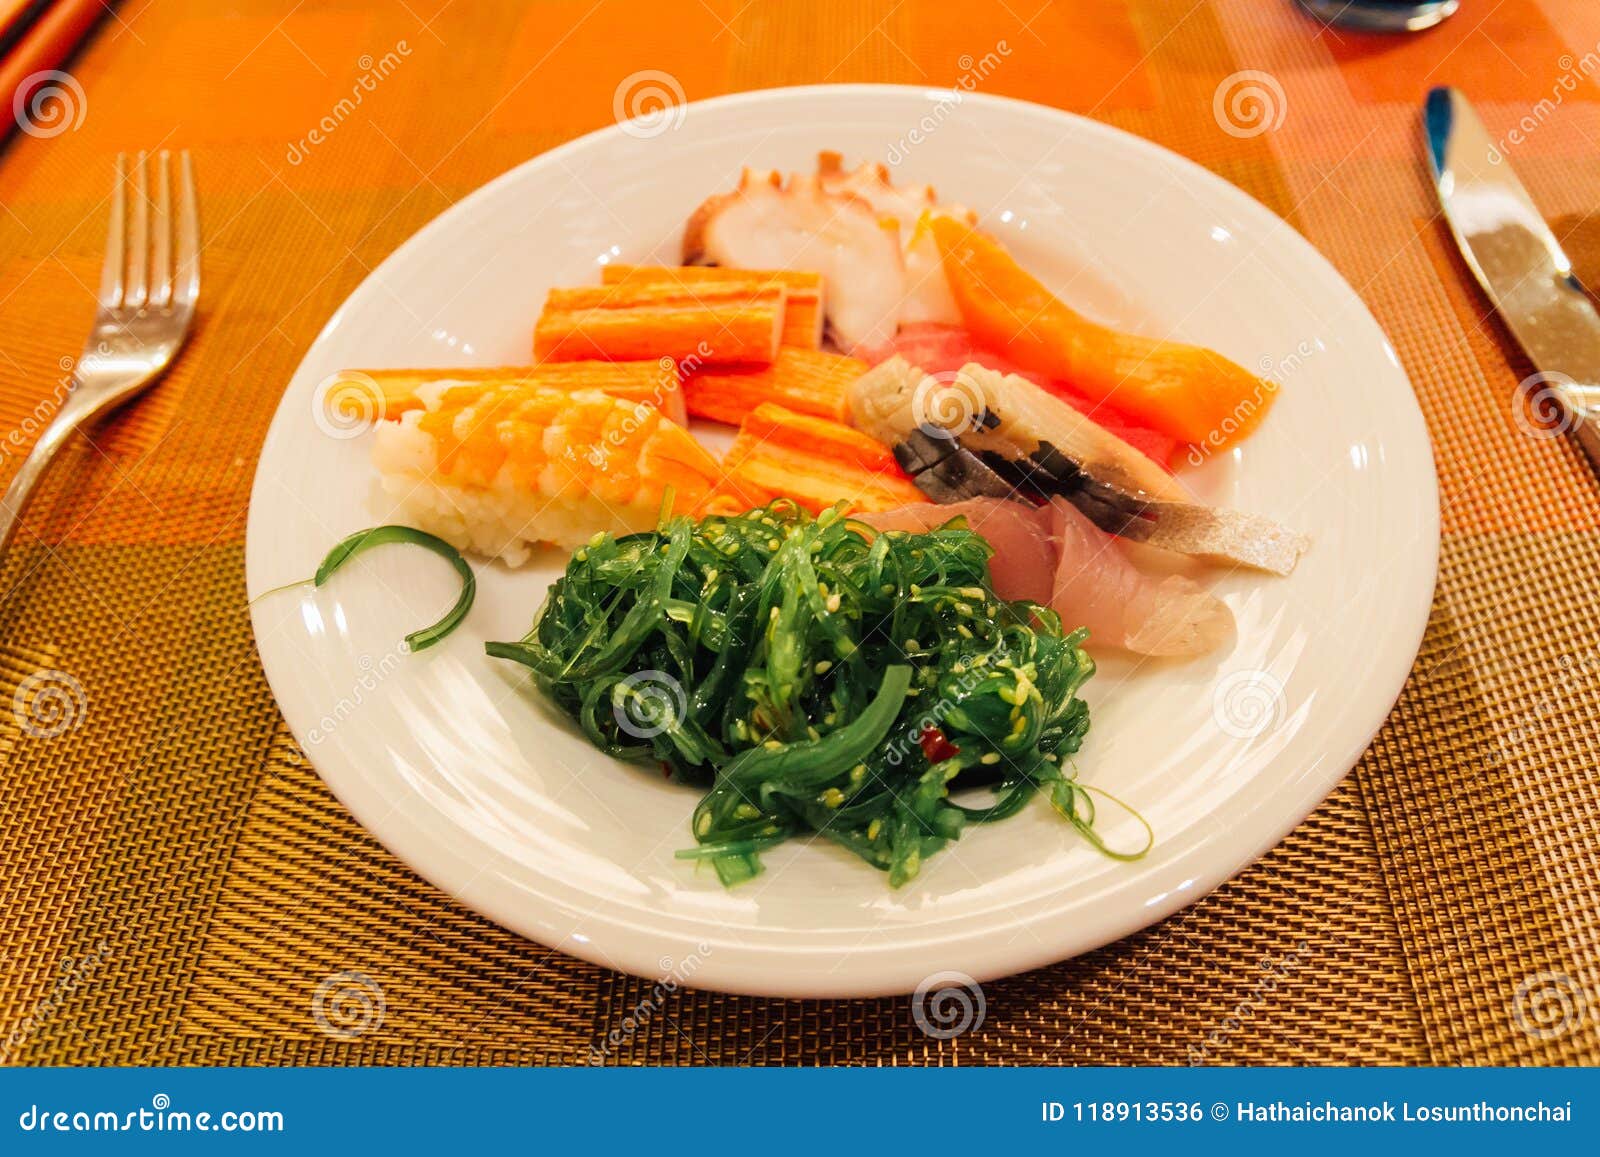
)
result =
(987, 434)
(498, 468)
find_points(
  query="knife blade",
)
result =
(1519, 263)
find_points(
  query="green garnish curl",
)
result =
(815, 676)
(363, 540)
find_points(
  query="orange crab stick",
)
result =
(1189, 393)
(816, 462)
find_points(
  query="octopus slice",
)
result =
(864, 234)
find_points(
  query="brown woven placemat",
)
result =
(179, 887)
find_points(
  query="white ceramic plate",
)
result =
(459, 770)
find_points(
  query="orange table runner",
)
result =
(179, 887)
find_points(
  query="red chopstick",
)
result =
(47, 43)
(16, 17)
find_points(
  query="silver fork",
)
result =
(146, 302)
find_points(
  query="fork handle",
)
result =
(69, 417)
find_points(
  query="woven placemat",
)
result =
(179, 887)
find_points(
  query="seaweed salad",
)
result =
(814, 676)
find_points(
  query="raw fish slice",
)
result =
(936, 348)
(1024, 562)
(897, 397)
(1096, 586)
(1040, 446)
(1055, 556)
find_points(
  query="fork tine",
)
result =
(187, 286)
(111, 274)
(161, 236)
(139, 237)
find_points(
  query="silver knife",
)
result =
(1519, 263)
